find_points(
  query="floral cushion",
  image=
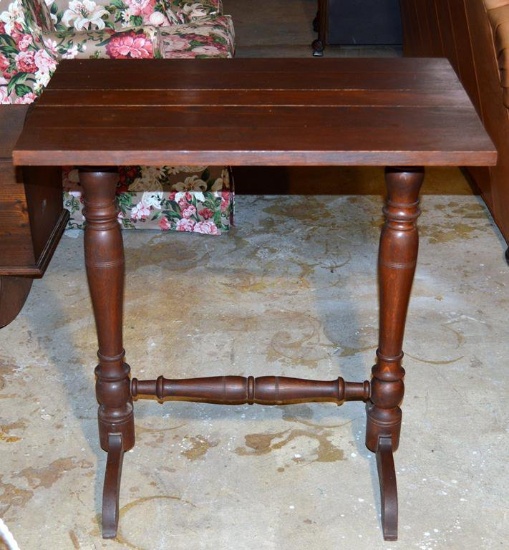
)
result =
(140, 43)
(178, 198)
(88, 15)
(25, 65)
(26, 15)
(208, 38)
(187, 11)
(212, 37)
(85, 15)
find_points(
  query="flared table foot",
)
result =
(111, 491)
(388, 488)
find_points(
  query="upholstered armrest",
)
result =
(498, 13)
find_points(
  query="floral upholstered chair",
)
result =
(36, 34)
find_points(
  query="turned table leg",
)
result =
(104, 259)
(396, 267)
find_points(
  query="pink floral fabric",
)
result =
(130, 45)
(25, 65)
(186, 11)
(212, 37)
(183, 198)
(82, 15)
(96, 15)
(139, 43)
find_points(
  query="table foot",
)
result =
(388, 488)
(111, 490)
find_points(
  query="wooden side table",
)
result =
(32, 217)
(400, 113)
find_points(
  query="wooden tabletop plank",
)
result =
(211, 70)
(335, 111)
(319, 98)
(244, 145)
(345, 121)
(235, 157)
(223, 74)
(252, 81)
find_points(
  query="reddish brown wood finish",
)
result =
(397, 260)
(254, 112)
(369, 112)
(388, 487)
(264, 390)
(32, 217)
(104, 260)
(321, 24)
(13, 294)
(112, 480)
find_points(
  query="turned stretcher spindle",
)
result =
(264, 390)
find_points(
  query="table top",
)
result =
(347, 111)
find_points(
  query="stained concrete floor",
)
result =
(291, 291)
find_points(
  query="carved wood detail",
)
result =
(104, 261)
(396, 266)
(264, 390)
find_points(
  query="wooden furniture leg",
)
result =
(111, 490)
(104, 260)
(388, 488)
(320, 25)
(396, 267)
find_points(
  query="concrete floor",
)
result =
(291, 291)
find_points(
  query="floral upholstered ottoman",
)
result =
(36, 34)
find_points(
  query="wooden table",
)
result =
(32, 217)
(400, 113)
